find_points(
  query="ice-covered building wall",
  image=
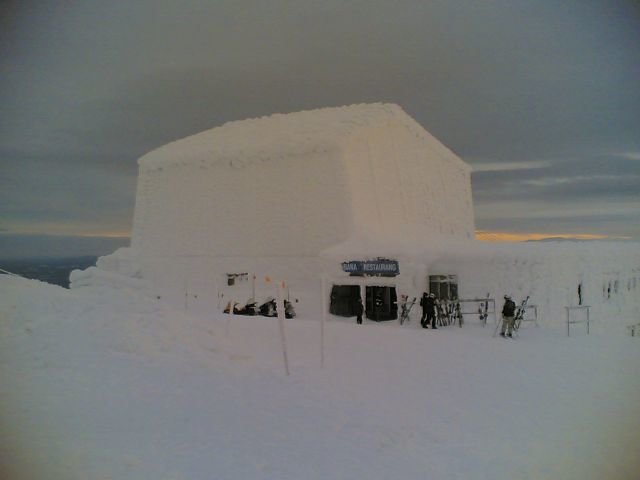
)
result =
(403, 178)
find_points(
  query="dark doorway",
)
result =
(381, 303)
(344, 299)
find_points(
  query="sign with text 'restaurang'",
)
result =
(380, 267)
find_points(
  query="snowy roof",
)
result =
(281, 135)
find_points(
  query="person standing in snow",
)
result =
(359, 311)
(508, 315)
(428, 305)
(423, 304)
(431, 314)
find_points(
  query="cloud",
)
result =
(614, 218)
(629, 155)
(525, 93)
(55, 195)
(510, 166)
(531, 236)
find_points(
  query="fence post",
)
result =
(569, 322)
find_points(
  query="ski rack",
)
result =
(633, 328)
(570, 322)
(491, 311)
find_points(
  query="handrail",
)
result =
(570, 322)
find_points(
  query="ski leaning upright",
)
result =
(483, 311)
(406, 310)
(520, 311)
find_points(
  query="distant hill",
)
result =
(574, 240)
(51, 270)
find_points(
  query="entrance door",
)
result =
(381, 303)
(344, 299)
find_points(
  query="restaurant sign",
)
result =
(380, 267)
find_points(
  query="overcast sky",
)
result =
(541, 98)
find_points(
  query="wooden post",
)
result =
(323, 299)
(253, 286)
(231, 313)
(283, 339)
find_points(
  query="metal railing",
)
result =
(633, 329)
(571, 322)
(480, 302)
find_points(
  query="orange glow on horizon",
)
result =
(64, 232)
(106, 234)
(486, 236)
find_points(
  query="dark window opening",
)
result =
(235, 278)
(444, 287)
(344, 299)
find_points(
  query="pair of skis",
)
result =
(483, 311)
(517, 320)
(406, 310)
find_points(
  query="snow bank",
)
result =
(118, 270)
(108, 384)
(122, 262)
(96, 277)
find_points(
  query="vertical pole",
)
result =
(231, 313)
(186, 293)
(363, 298)
(568, 331)
(217, 287)
(283, 340)
(495, 313)
(253, 286)
(323, 299)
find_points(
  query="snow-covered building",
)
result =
(291, 197)
(338, 204)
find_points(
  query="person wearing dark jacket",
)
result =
(431, 311)
(508, 315)
(428, 310)
(423, 304)
(359, 310)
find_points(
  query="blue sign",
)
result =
(381, 267)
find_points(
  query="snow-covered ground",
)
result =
(105, 383)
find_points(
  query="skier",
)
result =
(359, 311)
(508, 315)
